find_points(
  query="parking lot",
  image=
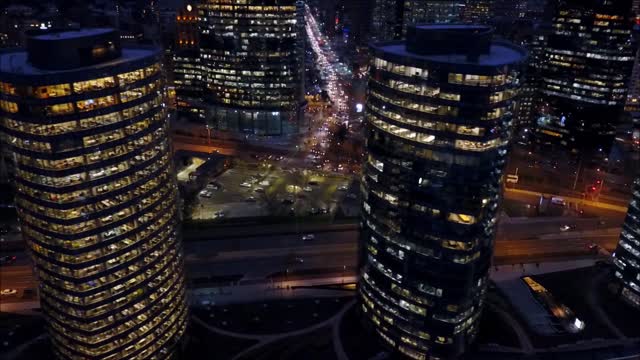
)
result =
(252, 189)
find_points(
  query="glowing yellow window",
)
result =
(462, 219)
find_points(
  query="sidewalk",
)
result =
(268, 290)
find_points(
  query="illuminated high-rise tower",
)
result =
(587, 64)
(187, 66)
(391, 18)
(252, 56)
(439, 116)
(96, 192)
(627, 256)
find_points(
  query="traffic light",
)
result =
(593, 188)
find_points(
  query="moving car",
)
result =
(565, 228)
(6, 260)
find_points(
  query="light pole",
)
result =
(575, 182)
(601, 183)
(208, 134)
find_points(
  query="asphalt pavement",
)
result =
(256, 257)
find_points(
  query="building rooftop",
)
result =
(15, 62)
(454, 44)
(72, 34)
(499, 54)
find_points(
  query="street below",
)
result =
(257, 258)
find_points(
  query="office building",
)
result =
(431, 12)
(478, 11)
(439, 116)
(588, 61)
(391, 18)
(349, 19)
(634, 84)
(530, 94)
(328, 14)
(512, 9)
(386, 20)
(252, 54)
(96, 192)
(627, 256)
(187, 66)
(357, 19)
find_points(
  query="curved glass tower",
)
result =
(96, 193)
(627, 255)
(252, 56)
(585, 74)
(439, 114)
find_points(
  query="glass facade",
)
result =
(252, 56)
(187, 69)
(478, 11)
(391, 18)
(96, 198)
(530, 95)
(438, 126)
(587, 63)
(627, 256)
(386, 20)
(431, 12)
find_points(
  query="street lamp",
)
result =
(208, 134)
